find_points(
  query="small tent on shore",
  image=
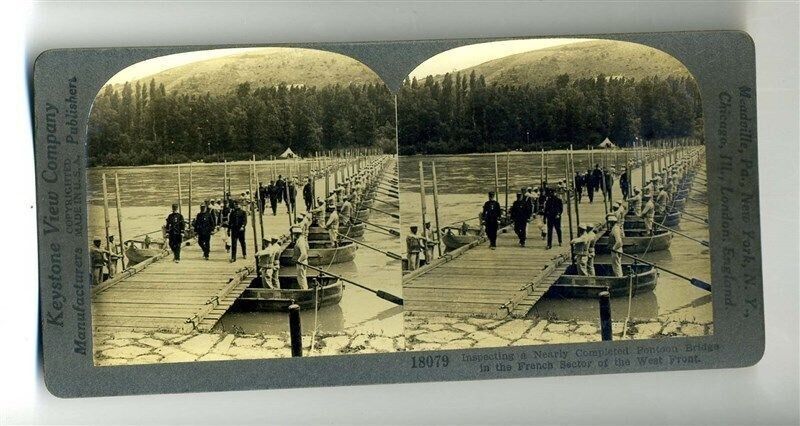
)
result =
(288, 154)
(606, 144)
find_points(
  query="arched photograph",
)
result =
(243, 204)
(552, 191)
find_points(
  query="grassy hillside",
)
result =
(583, 59)
(264, 67)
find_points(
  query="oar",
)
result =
(387, 229)
(387, 193)
(386, 202)
(695, 216)
(396, 216)
(687, 218)
(703, 242)
(378, 231)
(388, 253)
(693, 281)
(380, 293)
(697, 201)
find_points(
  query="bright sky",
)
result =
(468, 56)
(156, 65)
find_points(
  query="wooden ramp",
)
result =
(481, 281)
(168, 296)
(475, 280)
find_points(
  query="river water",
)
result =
(464, 180)
(146, 196)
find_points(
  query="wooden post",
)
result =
(436, 208)
(575, 195)
(180, 191)
(295, 334)
(423, 199)
(605, 315)
(496, 179)
(225, 180)
(119, 220)
(256, 244)
(541, 169)
(105, 212)
(569, 205)
(260, 202)
(507, 172)
(190, 192)
(643, 157)
(546, 167)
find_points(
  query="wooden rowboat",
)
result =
(318, 233)
(321, 253)
(453, 241)
(258, 298)
(643, 278)
(635, 241)
(137, 254)
(635, 222)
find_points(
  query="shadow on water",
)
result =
(644, 305)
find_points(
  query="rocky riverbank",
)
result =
(433, 333)
(126, 348)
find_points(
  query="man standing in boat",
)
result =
(553, 209)
(591, 240)
(301, 254)
(429, 241)
(615, 243)
(635, 202)
(662, 201)
(237, 224)
(580, 247)
(308, 194)
(332, 225)
(204, 226)
(648, 214)
(520, 212)
(99, 257)
(491, 217)
(347, 211)
(413, 248)
(175, 227)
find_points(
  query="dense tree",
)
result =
(460, 114)
(141, 123)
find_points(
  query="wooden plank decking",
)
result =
(178, 297)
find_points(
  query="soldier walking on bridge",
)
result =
(204, 226)
(520, 212)
(236, 225)
(491, 217)
(175, 227)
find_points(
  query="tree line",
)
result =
(461, 113)
(142, 123)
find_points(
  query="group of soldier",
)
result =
(601, 179)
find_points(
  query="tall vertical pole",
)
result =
(541, 169)
(260, 203)
(256, 245)
(423, 198)
(396, 123)
(496, 178)
(507, 172)
(119, 219)
(180, 191)
(225, 180)
(575, 194)
(436, 208)
(190, 192)
(105, 212)
(569, 205)
(546, 166)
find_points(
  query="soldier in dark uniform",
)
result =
(280, 188)
(520, 212)
(272, 193)
(552, 213)
(623, 183)
(597, 177)
(588, 179)
(175, 227)
(262, 197)
(579, 186)
(490, 216)
(204, 226)
(236, 225)
(308, 195)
